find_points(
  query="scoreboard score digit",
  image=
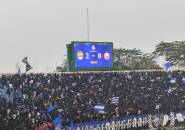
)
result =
(93, 55)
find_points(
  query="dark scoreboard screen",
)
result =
(93, 55)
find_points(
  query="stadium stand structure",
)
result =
(30, 101)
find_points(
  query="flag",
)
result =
(168, 65)
(50, 108)
(28, 67)
(183, 80)
(99, 107)
(58, 121)
(25, 60)
(115, 100)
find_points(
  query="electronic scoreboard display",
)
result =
(93, 55)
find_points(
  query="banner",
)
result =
(149, 121)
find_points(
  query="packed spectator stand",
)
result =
(38, 101)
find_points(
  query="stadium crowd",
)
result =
(38, 101)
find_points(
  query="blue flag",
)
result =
(168, 65)
(58, 121)
(99, 107)
(50, 108)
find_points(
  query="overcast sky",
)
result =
(40, 29)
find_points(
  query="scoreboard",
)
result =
(90, 55)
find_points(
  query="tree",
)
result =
(173, 52)
(63, 67)
(133, 59)
(127, 59)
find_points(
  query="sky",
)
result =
(40, 29)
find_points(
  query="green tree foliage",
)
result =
(126, 59)
(133, 59)
(173, 52)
